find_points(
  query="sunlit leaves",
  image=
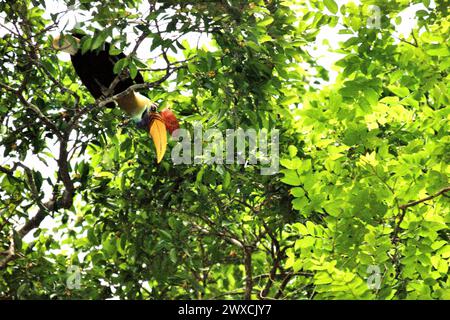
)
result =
(381, 113)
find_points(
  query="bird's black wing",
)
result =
(95, 69)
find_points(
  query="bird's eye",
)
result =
(153, 108)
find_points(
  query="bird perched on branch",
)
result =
(96, 71)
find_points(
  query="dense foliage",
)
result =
(359, 210)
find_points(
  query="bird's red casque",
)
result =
(170, 120)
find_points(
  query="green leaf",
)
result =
(173, 255)
(438, 50)
(291, 177)
(331, 5)
(114, 51)
(297, 192)
(37, 176)
(399, 91)
(292, 151)
(287, 101)
(86, 46)
(226, 180)
(265, 22)
(295, 163)
(297, 265)
(305, 242)
(120, 65)
(133, 70)
(17, 241)
(99, 40)
(371, 95)
(299, 203)
(165, 234)
(351, 41)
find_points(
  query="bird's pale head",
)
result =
(66, 44)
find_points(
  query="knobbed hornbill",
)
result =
(96, 71)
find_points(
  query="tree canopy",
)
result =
(358, 210)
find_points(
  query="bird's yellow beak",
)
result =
(159, 135)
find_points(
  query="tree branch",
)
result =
(56, 203)
(403, 208)
(248, 273)
(136, 87)
(414, 203)
(50, 125)
(224, 236)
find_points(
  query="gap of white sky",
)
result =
(323, 52)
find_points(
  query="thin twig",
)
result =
(414, 203)
(403, 208)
